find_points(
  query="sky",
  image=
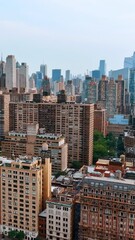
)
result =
(72, 34)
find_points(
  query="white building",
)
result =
(59, 221)
(10, 70)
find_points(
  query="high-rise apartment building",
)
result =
(107, 208)
(100, 120)
(120, 99)
(92, 91)
(111, 97)
(4, 114)
(75, 122)
(102, 89)
(21, 114)
(10, 70)
(23, 77)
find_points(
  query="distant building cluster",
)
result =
(49, 187)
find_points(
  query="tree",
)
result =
(120, 146)
(111, 140)
(76, 165)
(99, 151)
(20, 235)
(14, 234)
(103, 146)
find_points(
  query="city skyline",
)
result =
(69, 35)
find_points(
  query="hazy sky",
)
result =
(68, 34)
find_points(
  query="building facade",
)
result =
(31, 143)
(10, 70)
(107, 209)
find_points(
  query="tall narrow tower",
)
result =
(10, 72)
(46, 174)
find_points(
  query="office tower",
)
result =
(69, 88)
(4, 114)
(60, 213)
(132, 86)
(125, 72)
(2, 68)
(107, 208)
(38, 80)
(10, 71)
(100, 120)
(23, 77)
(75, 122)
(111, 97)
(96, 75)
(46, 86)
(56, 75)
(17, 74)
(21, 114)
(120, 95)
(129, 62)
(102, 89)
(85, 92)
(67, 75)
(43, 70)
(33, 141)
(2, 75)
(102, 68)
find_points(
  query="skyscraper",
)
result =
(10, 71)
(132, 86)
(76, 123)
(129, 62)
(23, 77)
(111, 97)
(4, 114)
(56, 75)
(67, 75)
(102, 89)
(43, 69)
(120, 95)
(102, 68)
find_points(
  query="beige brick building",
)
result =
(30, 143)
(74, 121)
(25, 185)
